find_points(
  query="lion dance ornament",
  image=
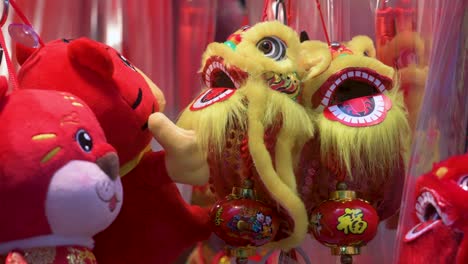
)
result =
(440, 232)
(362, 125)
(252, 130)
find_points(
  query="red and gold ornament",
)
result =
(344, 223)
(243, 222)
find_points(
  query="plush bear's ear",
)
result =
(92, 55)
(23, 53)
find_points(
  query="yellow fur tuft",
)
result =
(278, 185)
(213, 122)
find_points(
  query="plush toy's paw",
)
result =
(184, 159)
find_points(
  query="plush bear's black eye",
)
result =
(127, 62)
(366, 53)
(84, 140)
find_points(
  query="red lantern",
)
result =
(344, 223)
(243, 222)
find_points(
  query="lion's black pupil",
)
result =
(84, 140)
(266, 46)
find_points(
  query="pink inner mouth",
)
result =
(354, 97)
(113, 203)
(360, 112)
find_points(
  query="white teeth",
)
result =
(419, 215)
(350, 74)
(328, 94)
(344, 77)
(325, 101)
(358, 73)
(364, 75)
(337, 82)
(371, 78)
(425, 199)
(220, 66)
(377, 82)
(332, 88)
(381, 88)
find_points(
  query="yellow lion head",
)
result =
(355, 102)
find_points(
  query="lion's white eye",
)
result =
(272, 47)
(463, 182)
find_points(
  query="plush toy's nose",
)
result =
(109, 163)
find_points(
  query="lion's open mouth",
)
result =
(429, 213)
(354, 97)
(217, 75)
(222, 82)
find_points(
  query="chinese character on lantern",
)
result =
(351, 222)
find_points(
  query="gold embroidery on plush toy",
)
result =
(41, 255)
(78, 256)
(44, 136)
(71, 118)
(127, 167)
(77, 104)
(50, 154)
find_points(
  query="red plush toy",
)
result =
(59, 178)
(155, 224)
(440, 235)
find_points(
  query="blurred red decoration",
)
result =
(344, 223)
(243, 222)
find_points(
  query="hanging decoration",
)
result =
(357, 107)
(251, 126)
(277, 10)
(344, 223)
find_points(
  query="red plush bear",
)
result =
(155, 224)
(441, 209)
(59, 178)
